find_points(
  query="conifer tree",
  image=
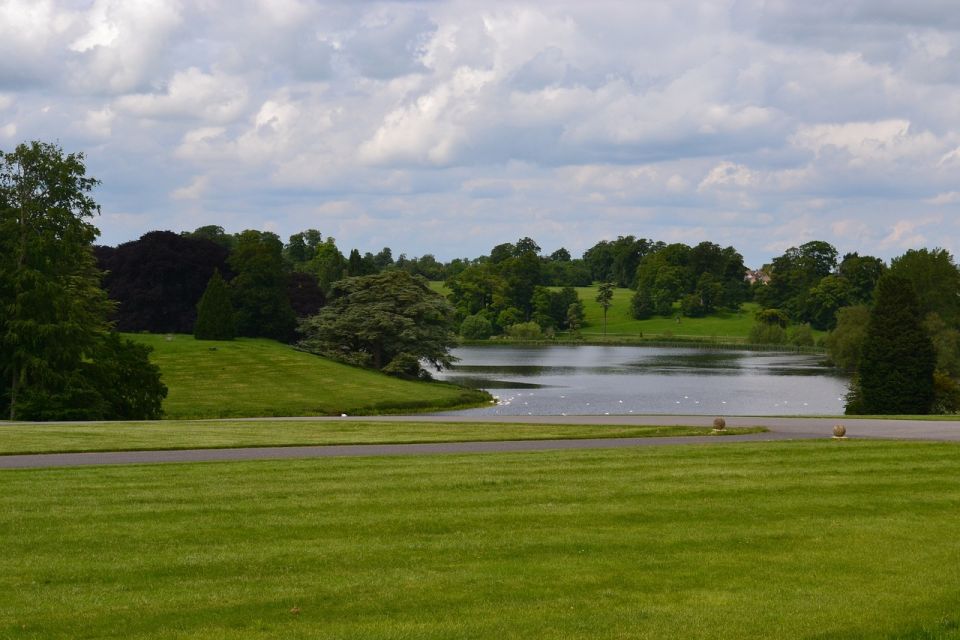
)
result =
(215, 317)
(898, 358)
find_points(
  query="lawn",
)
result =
(730, 325)
(258, 377)
(726, 325)
(175, 434)
(772, 540)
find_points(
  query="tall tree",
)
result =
(259, 290)
(936, 279)
(605, 298)
(53, 313)
(897, 358)
(391, 321)
(158, 279)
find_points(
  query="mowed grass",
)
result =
(169, 434)
(256, 377)
(730, 326)
(773, 540)
(733, 326)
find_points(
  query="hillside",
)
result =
(734, 325)
(258, 377)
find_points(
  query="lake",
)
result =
(597, 380)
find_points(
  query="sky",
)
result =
(449, 127)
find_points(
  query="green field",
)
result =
(183, 434)
(258, 377)
(733, 326)
(727, 326)
(773, 540)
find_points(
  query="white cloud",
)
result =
(99, 123)
(192, 191)
(191, 93)
(765, 123)
(861, 140)
(123, 43)
(728, 174)
(905, 234)
(948, 197)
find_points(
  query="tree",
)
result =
(935, 278)
(391, 321)
(215, 317)
(861, 273)
(213, 233)
(605, 298)
(845, 342)
(898, 358)
(476, 327)
(824, 300)
(302, 247)
(794, 273)
(328, 264)
(158, 279)
(259, 290)
(54, 340)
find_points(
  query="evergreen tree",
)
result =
(56, 353)
(215, 317)
(898, 358)
(391, 321)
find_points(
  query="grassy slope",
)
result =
(619, 321)
(785, 540)
(254, 377)
(732, 326)
(175, 434)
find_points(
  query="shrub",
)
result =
(800, 335)
(762, 333)
(476, 327)
(525, 331)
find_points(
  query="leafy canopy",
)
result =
(391, 321)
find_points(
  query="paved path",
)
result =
(780, 429)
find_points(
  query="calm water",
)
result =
(556, 380)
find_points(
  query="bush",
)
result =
(762, 333)
(525, 331)
(476, 327)
(773, 316)
(800, 335)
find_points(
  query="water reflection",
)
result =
(556, 380)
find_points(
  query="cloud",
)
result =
(949, 197)
(905, 234)
(191, 93)
(192, 191)
(757, 123)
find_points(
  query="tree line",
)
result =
(64, 299)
